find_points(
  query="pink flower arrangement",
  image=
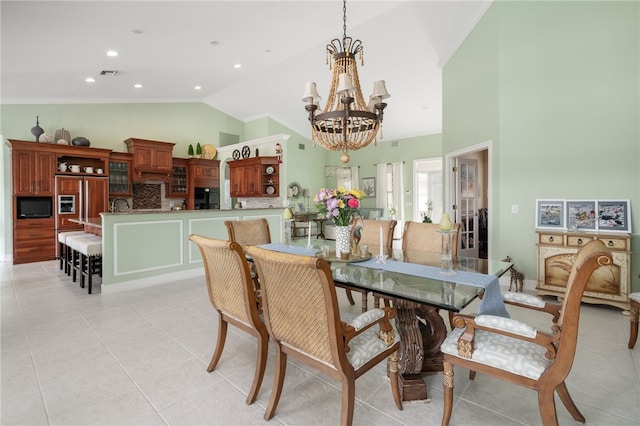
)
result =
(339, 205)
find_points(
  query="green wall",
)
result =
(391, 151)
(556, 87)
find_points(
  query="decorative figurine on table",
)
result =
(355, 237)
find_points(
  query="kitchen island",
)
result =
(143, 248)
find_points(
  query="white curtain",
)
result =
(381, 185)
(398, 188)
(355, 177)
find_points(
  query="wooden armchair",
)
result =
(518, 353)
(302, 317)
(232, 294)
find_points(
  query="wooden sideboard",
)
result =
(608, 285)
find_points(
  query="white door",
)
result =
(466, 208)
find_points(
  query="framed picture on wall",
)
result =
(550, 214)
(614, 215)
(581, 215)
(369, 186)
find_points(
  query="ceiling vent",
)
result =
(111, 73)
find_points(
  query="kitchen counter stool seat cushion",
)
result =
(84, 248)
(62, 240)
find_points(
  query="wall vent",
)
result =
(111, 73)
(395, 144)
(301, 146)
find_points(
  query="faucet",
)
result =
(115, 200)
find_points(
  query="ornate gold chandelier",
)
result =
(347, 122)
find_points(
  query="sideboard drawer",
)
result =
(551, 239)
(577, 241)
(615, 243)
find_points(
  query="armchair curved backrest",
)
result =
(370, 233)
(233, 296)
(303, 319)
(249, 232)
(518, 353)
(425, 237)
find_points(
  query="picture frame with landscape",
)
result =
(581, 214)
(614, 215)
(550, 214)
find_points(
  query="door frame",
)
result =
(451, 187)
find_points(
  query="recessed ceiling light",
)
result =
(215, 43)
(137, 31)
(138, 86)
(237, 66)
(112, 53)
(267, 50)
(197, 87)
(90, 80)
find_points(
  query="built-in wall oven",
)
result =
(66, 204)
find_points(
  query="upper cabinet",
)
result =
(204, 173)
(35, 165)
(179, 185)
(33, 172)
(255, 177)
(151, 159)
(120, 174)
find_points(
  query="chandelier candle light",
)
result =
(347, 122)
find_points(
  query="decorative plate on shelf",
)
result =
(208, 152)
(271, 190)
(236, 154)
(270, 170)
(246, 151)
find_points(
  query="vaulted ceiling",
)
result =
(49, 48)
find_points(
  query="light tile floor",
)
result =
(140, 358)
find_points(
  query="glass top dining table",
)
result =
(440, 291)
(413, 281)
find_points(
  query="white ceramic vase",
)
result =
(343, 239)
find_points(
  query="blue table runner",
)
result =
(490, 304)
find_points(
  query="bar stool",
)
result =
(87, 258)
(65, 253)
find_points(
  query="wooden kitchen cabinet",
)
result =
(120, 174)
(608, 285)
(179, 185)
(33, 171)
(33, 240)
(204, 173)
(151, 159)
(254, 177)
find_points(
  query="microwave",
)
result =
(34, 207)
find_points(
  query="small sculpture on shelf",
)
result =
(190, 150)
(198, 150)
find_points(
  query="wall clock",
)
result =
(246, 152)
(236, 154)
(295, 190)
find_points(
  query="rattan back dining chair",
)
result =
(303, 319)
(370, 236)
(426, 237)
(249, 232)
(519, 353)
(232, 294)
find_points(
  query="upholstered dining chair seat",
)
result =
(368, 345)
(503, 352)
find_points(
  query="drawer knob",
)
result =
(610, 243)
(579, 240)
(550, 239)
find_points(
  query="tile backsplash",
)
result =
(147, 196)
